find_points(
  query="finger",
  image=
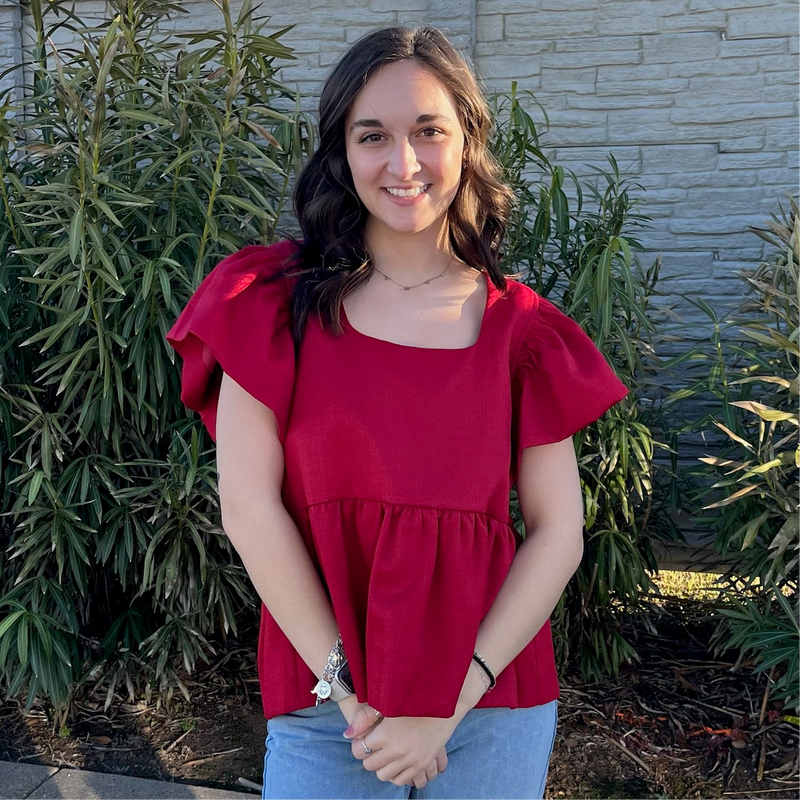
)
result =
(394, 772)
(378, 760)
(441, 760)
(405, 778)
(357, 748)
(362, 737)
(365, 720)
(426, 776)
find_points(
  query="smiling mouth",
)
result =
(416, 192)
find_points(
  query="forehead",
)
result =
(401, 92)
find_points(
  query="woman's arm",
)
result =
(250, 466)
(550, 500)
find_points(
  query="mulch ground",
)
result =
(679, 724)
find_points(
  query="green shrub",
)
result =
(752, 498)
(136, 165)
(584, 258)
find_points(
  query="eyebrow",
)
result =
(376, 123)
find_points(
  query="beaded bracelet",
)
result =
(486, 682)
(476, 656)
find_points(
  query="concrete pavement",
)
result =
(20, 781)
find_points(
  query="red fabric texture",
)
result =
(399, 465)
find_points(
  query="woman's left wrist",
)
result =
(472, 691)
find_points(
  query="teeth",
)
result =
(408, 192)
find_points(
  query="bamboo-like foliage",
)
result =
(584, 258)
(133, 165)
(752, 378)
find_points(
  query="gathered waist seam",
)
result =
(409, 505)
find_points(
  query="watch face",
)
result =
(345, 678)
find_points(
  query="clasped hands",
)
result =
(402, 746)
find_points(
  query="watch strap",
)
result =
(331, 685)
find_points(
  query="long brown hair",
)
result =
(333, 259)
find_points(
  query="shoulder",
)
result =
(258, 260)
(541, 330)
(243, 288)
(238, 322)
(533, 312)
(255, 271)
(519, 306)
(529, 305)
(522, 299)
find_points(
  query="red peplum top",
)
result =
(399, 465)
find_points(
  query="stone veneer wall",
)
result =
(697, 100)
(10, 41)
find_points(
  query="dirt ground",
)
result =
(679, 724)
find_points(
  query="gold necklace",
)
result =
(386, 277)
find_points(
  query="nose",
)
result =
(403, 161)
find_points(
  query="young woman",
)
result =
(375, 391)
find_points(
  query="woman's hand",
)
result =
(402, 748)
(362, 719)
(360, 716)
(419, 732)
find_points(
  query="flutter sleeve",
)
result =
(238, 323)
(561, 381)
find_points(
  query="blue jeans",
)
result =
(493, 753)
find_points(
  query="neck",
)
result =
(409, 258)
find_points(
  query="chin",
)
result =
(408, 225)
(410, 228)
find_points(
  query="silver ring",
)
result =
(367, 750)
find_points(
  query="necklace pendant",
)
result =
(408, 287)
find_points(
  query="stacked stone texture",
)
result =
(10, 44)
(697, 100)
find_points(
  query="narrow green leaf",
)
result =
(9, 622)
(732, 498)
(106, 209)
(34, 486)
(75, 236)
(763, 411)
(22, 642)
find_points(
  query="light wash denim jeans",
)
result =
(493, 753)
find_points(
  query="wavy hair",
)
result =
(333, 259)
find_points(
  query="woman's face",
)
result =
(404, 146)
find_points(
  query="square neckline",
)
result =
(489, 290)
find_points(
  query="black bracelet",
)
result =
(485, 667)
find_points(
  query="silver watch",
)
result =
(336, 682)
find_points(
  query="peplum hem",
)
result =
(409, 586)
